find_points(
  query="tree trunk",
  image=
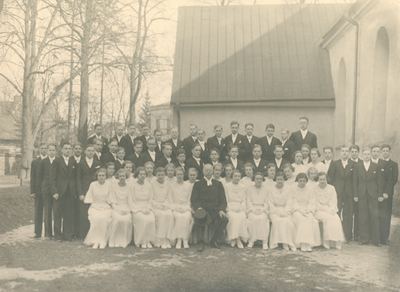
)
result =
(71, 83)
(102, 85)
(132, 95)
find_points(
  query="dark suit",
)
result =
(145, 157)
(158, 148)
(289, 147)
(104, 139)
(107, 157)
(144, 141)
(238, 142)
(98, 157)
(86, 175)
(212, 143)
(368, 187)
(187, 145)
(135, 160)
(213, 200)
(385, 207)
(62, 182)
(192, 163)
(247, 152)
(185, 176)
(268, 149)
(77, 201)
(262, 166)
(162, 161)
(119, 140)
(118, 165)
(38, 198)
(355, 209)
(342, 180)
(310, 139)
(43, 184)
(127, 144)
(205, 154)
(240, 165)
(280, 168)
(175, 148)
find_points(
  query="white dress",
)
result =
(224, 182)
(170, 180)
(312, 184)
(144, 225)
(282, 229)
(306, 227)
(299, 168)
(99, 213)
(291, 181)
(246, 181)
(269, 183)
(162, 211)
(180, 204)
(121, 230)
(326, 211)
(150, 179)
(258, 224)
(236, 212)
(319, 166)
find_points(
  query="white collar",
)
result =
(43, 157)
(344, 161)
(52, 159)
(375, 160)
(234, 135)
(304, 131)
(168, 158)
(152, 152)
(257, 159)
(249, 137)
(276, 159)
(197, 159)
(233, 159)
(367, 163)
(66, 158)
(386, 159)
(98, 137)
(89, 159)
(209, 181)
(269, 139)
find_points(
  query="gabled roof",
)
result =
(253, 54)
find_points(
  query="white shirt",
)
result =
(269, 140)
(89, 162)
(305, 161)
(234, 137)
(209, 181)
(152, 155)
(367, 165)
(355, 160)
(168, 159)
(121, 161)
(132, 138)
(278, 162)
(303, 133)
(344, 163)
(375, 160)
(51, 159)
(182, 164)
(249, 138)
(119, 138)
(147, 137)
(234, 162)
(77, 159)
(194, 138)
(202, 145)
(219, 140)
(43, 157)
(257, 161)
(214, 162)
(66, 160)
(98, 154)
(327, 164)
(175, 141)
(197, 160)
(159, 144)
(115, 155)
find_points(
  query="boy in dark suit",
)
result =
(385, 207)
(175, 142)
(144, 137)
(233, 139)
(260, 165)
(119, 134)
(341, 175)
(36, 191)
(248, 142)
(135, 157)
(233, 159)
(129, 140)
(368, 192)
(119, 162)
(354, 152)
(288, 146)
(180, 162)
(166, 156)
(158, 137)
(328, 155)
(98, 144)
(217, 142)
(278, 160)
(268, 143)
(195, 161)
(189, 141)
(63, 190)
(111, 155)
(43, 184)
(86, 174)
(303, 136)
(77, 151)
(204, 147)
(213, 157)
(151, 154)
(97, 135)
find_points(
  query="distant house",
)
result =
(161, 119)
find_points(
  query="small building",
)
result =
(161, 119)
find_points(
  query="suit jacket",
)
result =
(175, 148)
(262, 166)
(135, 159)
(211, 198)
(192, 163)
(342, 178)
(187, 145)
(145, 157)
(86, 175)
(205, 154)
(158, 149)
(247, 152)
(82, 157)
(212, 143)
(289, 147)
(162, 161)
(42, 183)
(144, 141)
(393, 170)
(34, 172)
(267, 149)
(119, 140)
(367, 182)
(238, 142)
(359, 160)
(63, 177)
(104, 139)
(386, 175)
(283, 162)
(310, 139)
(240, 165)
(127, 144)
(106, 157)
(185, 176)
(96, 157)
(117, 165)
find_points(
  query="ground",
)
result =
(28, 264)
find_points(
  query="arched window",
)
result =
(381, 71)
(341, 105)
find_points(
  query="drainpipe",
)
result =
(178, 115)
(355, 23)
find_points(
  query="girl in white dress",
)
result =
(298, 165)
(217, 171)
(128, 166)
(180, 203)
(121, 229)
(315, 155)
(236, 211)
(228, 169)
(326, 212)
(281, 207)
(144, 224)
(312, 174)
(257, 211)
(99, 211)
(162, 210)
(170, 173)
(307, 232)
(290, 178)
(270, 179)
(149, 167)
(249, 171)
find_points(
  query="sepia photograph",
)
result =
(199, 145)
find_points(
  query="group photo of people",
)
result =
(280, 190)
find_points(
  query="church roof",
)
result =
(253, 54)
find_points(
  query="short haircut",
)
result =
(217, 126)
(249, 165)
(257, 146)
(138, 142)
(300, 176)
(151, 139)
(95, 140)
(193, 169)
(366, 149)
(175, 128)
(280, 173)
(89, 145)
(327, 148)
(248, 124)
(157, 131)
(270, 126)
(310, 169)
(306, 145)
(201, 131)
(149, 163)
(322, 173)
(316, 149)
(259, 173)
(120, 149)
(234, 146)
(165, 145)
(354, 146)
(126, 162)
(108, 164)
(288, 165)
(304, 118)
(138, 170)
(179, 169)
(168, 166)
(278, 146)
(286, 130)
(65, 143)
(78, 144)
(217, 164)
(52, 144)
(159, 170)
(386, 146)
(270, 165)
(145, 126)
(97, 125)
(119, 172)
(193, 125)
(112, 140)
(100, 170)
(194, 145)
(373, 146)
(214, 150)
(42, 144)
(235, 123)
(345, 146)
(131, 125)
(180, 151)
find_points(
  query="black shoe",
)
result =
(200, 246)
(36, 236)
(215, 244)
(377, 244)
(385, 242)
